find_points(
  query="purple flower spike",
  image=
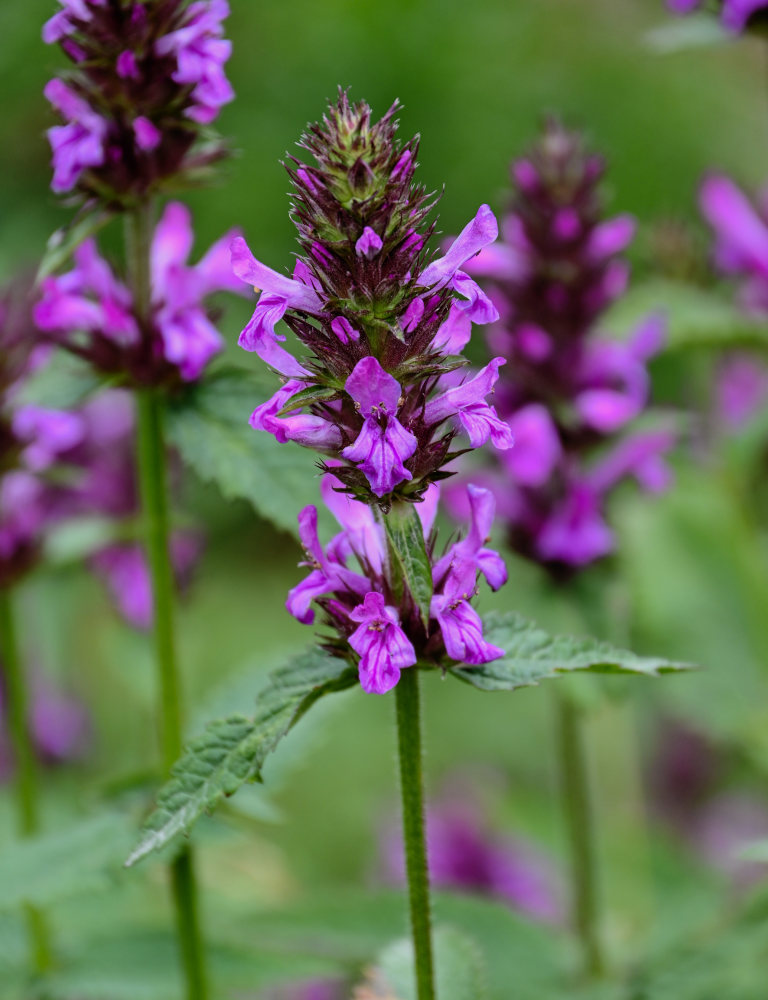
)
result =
(383, 646)
(373, 313)
(383, 443)
(145, 77)
(180, 338)
(567, 392)
(383, 637)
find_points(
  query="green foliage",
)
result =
(232, 751)
(65, 862)
(459, 971)
(355, 926)
(64, 382)
(533, 655)
(696, 317)
(406, 542)
(63, 243)
(209, 426)
(718, 961)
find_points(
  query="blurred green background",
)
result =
(691, 580)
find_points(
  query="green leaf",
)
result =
(406, 544)
(62, 244)
(232, 751)
(314, 394)
(459, 970)
(533, 655)
(696, 317)
(209, 426)
(53, 866)
(353, 926)
(63, 383)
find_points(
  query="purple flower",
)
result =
(63, 22)
(181, 339)
(306, 429)
(741, 390)
(200, 53)
(467, 402)
(59, 725)
(381, 633)
(383, 646)
(78, 145)
(374, 314)
(459, 623)
(383, 443)
(567, 391)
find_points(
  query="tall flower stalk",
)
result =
(25, 763)
(570, 396)
(145, 79)
(379, 393)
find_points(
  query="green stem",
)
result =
(581, 834)
(26, 777)
(411, 788)
(152, 475)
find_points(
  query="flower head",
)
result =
(91, 311)
(565, 403)
(378, 624)
(380, 320)
(146, 76)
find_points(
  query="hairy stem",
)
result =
(412, 791)
(152, 475)
(26, 776)
(580, 828)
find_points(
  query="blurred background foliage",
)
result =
(690, 580)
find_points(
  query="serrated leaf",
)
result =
(63, 242)
(696, 317)
(314, 394)
(533, 655)
(406, 544)
(209, 427)
(53, 866)
(459, 970)
(232, 751)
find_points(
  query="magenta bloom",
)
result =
(379, 320)
(200, 53)
(383, 444)
(381, 633)
(145, 78)
(564, 405)
(58, 723)
(181, 338)
(80, 143)
(383, 646)
(741, 252)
